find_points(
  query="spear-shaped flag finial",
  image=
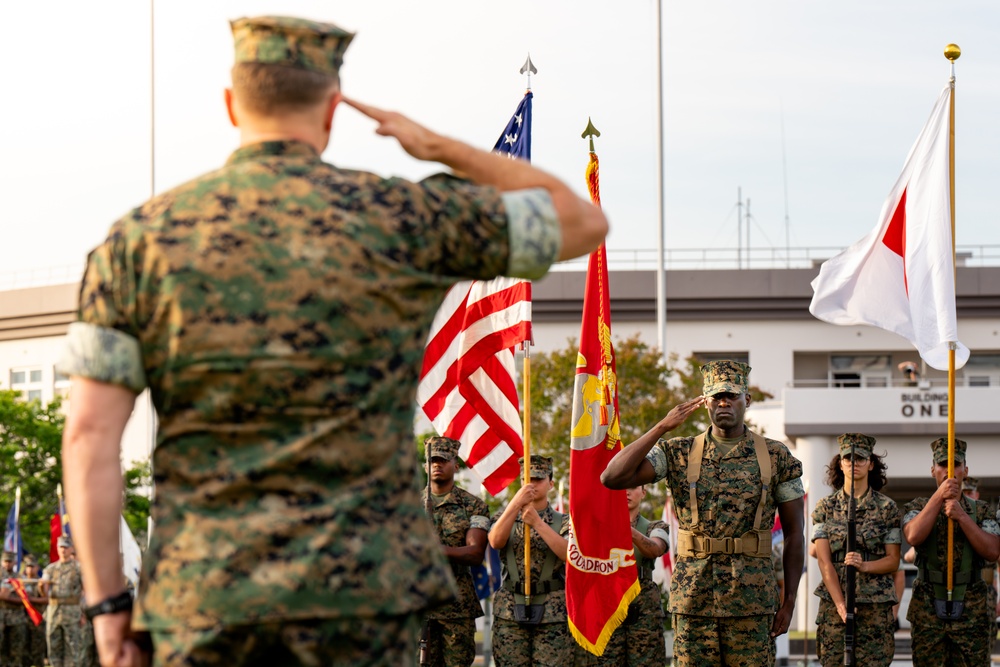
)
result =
(529, 68)
(591, 132)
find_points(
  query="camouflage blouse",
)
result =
(66, 581)
(728, 490)
(980, 512)
(454, 515)
(555, 603)
(877, 525)
(648, 600)
(278, 309)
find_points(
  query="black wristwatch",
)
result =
(112, 605)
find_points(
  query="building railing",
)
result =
(922, 385)
(619, 259)
(41, 276)
(645, 259)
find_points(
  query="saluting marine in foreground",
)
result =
(277, 310)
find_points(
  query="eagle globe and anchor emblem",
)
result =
(594, 400)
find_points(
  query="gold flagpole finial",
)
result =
(591, 132)
(952, 52)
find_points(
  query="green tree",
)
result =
(31, 458)
(30, 442)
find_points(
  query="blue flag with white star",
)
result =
(12, 536)
(486, 577)
(516, 137)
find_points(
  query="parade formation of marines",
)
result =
(277, 309)
(62, 638)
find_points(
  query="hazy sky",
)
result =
(851, 83)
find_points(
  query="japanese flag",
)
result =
(900, 277)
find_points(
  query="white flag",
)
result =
(901, 276)
(131, 555)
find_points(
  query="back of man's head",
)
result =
(286, 64)
(273, 90)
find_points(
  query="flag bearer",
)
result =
(875, 556)
(36, 633)
(14, 636)
(638, 641)
(536, 633)
(965, 640)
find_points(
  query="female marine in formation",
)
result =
(875, 556)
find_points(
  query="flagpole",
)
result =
(526, 475)
(62, 520)
(952, 53)
(17, 529)
(661, 274)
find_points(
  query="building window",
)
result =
(859, 370)
(61, 386)
(982, 370)
(28, 381)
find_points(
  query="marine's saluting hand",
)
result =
(414, 138)
(680, 413)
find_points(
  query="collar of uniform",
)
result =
(286, 148)
(862, 500)
(745, 440)
(439, 500)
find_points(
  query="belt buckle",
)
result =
(728, 546)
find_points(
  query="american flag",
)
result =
(467, 387)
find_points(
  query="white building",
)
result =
(826, 380)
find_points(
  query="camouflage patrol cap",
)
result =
(7, 555)
(29, 559)
(442, 448)
(725, 376)
(292, 42)
(65, 542)
(940, 449)
(541, 466)
(862, 445)
(970, 484)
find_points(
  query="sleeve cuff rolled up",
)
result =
(789, 491)
(103, 354)
(534, 232)
(658, 459)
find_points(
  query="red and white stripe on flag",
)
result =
(467, 385)
(900, 277)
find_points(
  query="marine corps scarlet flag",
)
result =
(601, 577)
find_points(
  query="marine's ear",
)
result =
(332, 106)
(229, 108)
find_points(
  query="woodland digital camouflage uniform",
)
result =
(639, 640)
(36, 633)
(724, 586)
(967, 641)
(971, 485)
(277, 309)
(14, 637)
(62, 619)
(549, 643)
(877, 525)
(453, 627)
